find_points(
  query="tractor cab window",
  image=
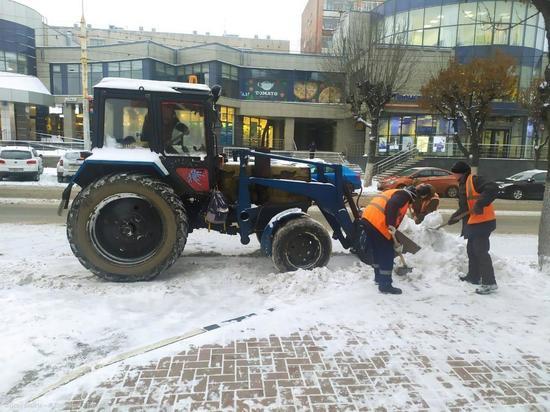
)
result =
(183, 128)
(127, 123)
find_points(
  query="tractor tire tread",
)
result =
(161, 189)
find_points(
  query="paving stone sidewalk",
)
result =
(300, 372)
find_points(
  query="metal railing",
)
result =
(330, 157)
(394, 160)
(45, 145)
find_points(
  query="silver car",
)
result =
(68, 165)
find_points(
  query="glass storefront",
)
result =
(227, 119)
(258, 132)
(17, 48)
(479, 23)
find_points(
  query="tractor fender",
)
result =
(107, 161)
(274, 224)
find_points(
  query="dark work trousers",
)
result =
(480, 264)
(382, 254)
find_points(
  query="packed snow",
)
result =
(48, 178)
(57, 316)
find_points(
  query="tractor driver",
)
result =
(173, 130)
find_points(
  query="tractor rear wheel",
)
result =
(127, 227)
(302, 243)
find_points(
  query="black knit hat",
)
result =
(461, 167)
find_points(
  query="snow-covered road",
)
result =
(57, 316)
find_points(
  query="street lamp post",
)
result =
(84, 71)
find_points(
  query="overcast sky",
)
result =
(278, 18)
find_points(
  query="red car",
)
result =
(444, 181)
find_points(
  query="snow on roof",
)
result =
(149, 85)
(22, 82)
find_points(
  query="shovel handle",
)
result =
(460, 216)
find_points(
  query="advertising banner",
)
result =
(422, 143)
(265, 89)
(439, 144)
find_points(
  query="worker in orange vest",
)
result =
(426, 202)
(476, 195)
(380, 218)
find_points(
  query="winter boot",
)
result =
(470, 279)
(486, 289)
(389, 289)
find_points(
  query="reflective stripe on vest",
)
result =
(471, 197)
(375, 212)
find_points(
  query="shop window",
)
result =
(201, 71)
(57, 87)
(415, 37)
(401, 22)
(465, 35)
(424, 125)
(388, 25)
(95, 74)
(486, 11)
(484, 34)
(257, 132)
(541, 36)
(395, 125)
(516, 35)
(22, 65)
(227, 120)
(502, 34)
(449, 15)
(127, 123)
(74, 83)
(408, 126)
(137, 69)
(113, 69)
(416, 19)
(11, 62)
(447, 36)
(467, 13)
(126, 69)
(431, 37)
(530, 34)
(519, 12)
(503, 12)
(432, 17)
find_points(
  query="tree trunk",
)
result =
(537, 143)
(474, 150)
(371, 154)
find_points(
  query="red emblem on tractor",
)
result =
(197, 179)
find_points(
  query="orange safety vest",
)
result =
(472, 196)
(375, 212)
(424, 203)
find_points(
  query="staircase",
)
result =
(396, 163)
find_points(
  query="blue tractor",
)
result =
(154, 168)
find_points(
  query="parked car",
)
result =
(20, 162)
(444, 182)
(68, 165)
(352, 177)
(528, 184)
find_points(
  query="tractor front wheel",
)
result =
(127, 227)
(302, 243)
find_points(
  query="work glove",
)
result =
(398, 247)
(392, 229)
(477, 209)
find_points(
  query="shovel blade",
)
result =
(403, 270)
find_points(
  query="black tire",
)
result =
(301, 243)
(127, 227)
(452, 192)
(517, 193)
(35, 177)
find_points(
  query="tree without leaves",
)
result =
(465, 91)
(373, 72)
(531, 100)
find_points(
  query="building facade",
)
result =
(321, 18)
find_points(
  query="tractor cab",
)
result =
(173, 121)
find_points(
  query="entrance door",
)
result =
(495, 143)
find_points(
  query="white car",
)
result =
(20, 161)
(68, 165)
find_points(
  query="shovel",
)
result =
(460, 216)
(403, 269)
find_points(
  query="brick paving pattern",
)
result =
(298, 372)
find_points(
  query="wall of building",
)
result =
(176, 40)
(312, 18)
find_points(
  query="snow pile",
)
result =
(291, 285)
(48, 178)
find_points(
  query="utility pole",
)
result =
(84, 71)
